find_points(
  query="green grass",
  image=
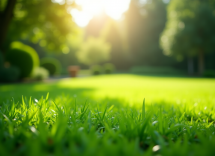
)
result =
(107, 115)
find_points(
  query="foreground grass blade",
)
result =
(143, 110)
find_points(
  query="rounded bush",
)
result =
(96, 70)
(40, 73)
(23, 57)
(52, 65)
(10, 74)
(109, 68)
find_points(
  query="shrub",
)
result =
(96, 70)
(52, 65)
(10, 74)
(209, 73)
(109, 68)
(40, 73)
(24, 57)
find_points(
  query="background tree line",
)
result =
(178, 34)
(156, 33)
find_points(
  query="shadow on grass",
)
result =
(38, 90)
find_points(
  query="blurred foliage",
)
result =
(189, 30)
(3, 4)
(109, 68)
(94, 51)
(51, 64)
(40, 73)
(209, 73)
(96, 70)
(96, 25)
(10, 74)
(1, 60)
(113, 32)
(24, 57)
(65, 59)
(145, 23)
(156, 70)
(45, 22)
(118, 54)
(134, 40)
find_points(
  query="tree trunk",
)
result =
(201, 62)
(5, 19)
(190, 66)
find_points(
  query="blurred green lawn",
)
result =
(129, 89)
(179, 116)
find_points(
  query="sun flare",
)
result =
(91, 8)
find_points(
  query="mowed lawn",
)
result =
(130, 89)
(106, 115)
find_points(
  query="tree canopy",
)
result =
(190, 30)
(41, 21)
(111, 34)
(145, 24)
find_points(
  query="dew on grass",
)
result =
(172, 127)
(156, 148)
(148, 138)
(33, 129)
(153, 123)
(81, 129)
(36, 100)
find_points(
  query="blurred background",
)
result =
(75, 38)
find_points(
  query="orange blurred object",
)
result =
(73, 70)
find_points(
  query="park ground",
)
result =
(120, 114)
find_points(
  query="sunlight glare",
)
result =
(115, 9)
(80, 17)
(91, 8)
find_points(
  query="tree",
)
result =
(37, 20)
(6, 16)
(145, 25)
(112, 35)
(189, 31)
(95, 26)
(134, 25)
(94, 51)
